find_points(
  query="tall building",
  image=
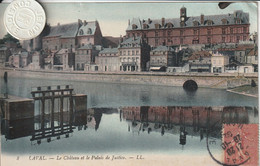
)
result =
(134, 54)
(203, 29)
(72, 35)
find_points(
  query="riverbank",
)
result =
(245, 90)
(206, 80)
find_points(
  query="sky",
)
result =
(113, 16)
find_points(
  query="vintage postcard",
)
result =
(129, 83)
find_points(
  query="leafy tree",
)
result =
(8, 37)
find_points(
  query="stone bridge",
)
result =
(210, 80)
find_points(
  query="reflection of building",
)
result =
(134, 54)
(203, 29)
(182, 120)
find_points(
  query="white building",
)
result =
(218, 63)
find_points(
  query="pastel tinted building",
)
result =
(203, 29)
(108, 60)
(134, 54)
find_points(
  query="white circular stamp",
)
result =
(24, 19)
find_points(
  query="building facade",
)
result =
(85, 55)
(72, 35)
(162, 56)
(134, 54)
(218, 63)
(200, 61)
(212, 29)
(108, 60)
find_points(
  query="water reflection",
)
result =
(175, 120)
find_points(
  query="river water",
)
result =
(127, 118)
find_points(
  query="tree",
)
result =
(9, 37)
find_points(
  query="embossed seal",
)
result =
(24, 19)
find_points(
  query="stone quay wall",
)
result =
(209, 80)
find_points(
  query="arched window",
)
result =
(89, 31)
(81, 32)
(195, 23)
(134, 26)
(224, 21)
(169, 25)
(209, 22)
(145, 26)
(157, 26)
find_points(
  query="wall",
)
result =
(166, 79)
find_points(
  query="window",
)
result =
(195, 23)
(169, 33)
(209, 31)
(244, 29)
(89, 31)
(223, 30)
(181, 32)
(156, 42)
(133, 52)
(209, 40)
(156, 34)
(231, 30)
(195, 32)
(81, 32)
(128, 53)
(157, 26)
(137, 52)
(181, 41)
(164, 33)
(134, 26)
(231, 38)
(145, 26)
(224, 21)
(223, 39)
(238, 38)
(169, 25)
(244, 38)
(209, 22)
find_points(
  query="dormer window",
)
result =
(81, 32)
(169, 25)
(89, 31)
(209, 22)
(145, 26)
(195, 23)
(157, 26)
(238, 21)
(134, 26)
(224, 21)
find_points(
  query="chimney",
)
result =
(79, 22)
(85, 22)
(58, 24)
(163, 21)
(202, 19)
(128, 22)
(149, 21)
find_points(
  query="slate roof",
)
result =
(216, 19)
(88, 46)
(162, 48)
(131, 42)
(109, 51)
(199, 54)
(88, 29)
(64, 31)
